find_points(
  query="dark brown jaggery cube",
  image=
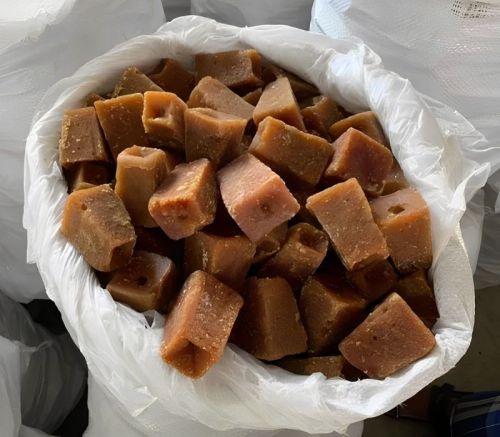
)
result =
(154, 240)
(236, 69)
(300, 87)
(329, 312)
(226, 258)
(147, 282)
(331, 366)
(404, 219)
(210, 93)
(374, 280)
(198, 326)
(302, 253)
(271, 243)
(389, 339)
(418, 294)
(253, 96)
(172, 77)
(366, 122)
(81, 138)
(139, 172)
(344, 213)
(269, 325)
(86, 175)
(319, 113)
(163, 119)
(358, 156)
(134, 81)
(298, 157)
(278, 101)
(256, 198)
(92, 98)
(213, 135)
(121, 121)
(395, 180)
(186, 200)
(96, 222)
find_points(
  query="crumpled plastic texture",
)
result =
(437, 151)
(41, 42)
(449, 50)
(42, 376)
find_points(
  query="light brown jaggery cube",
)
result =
(358, 156)
(302, 253)
(134, 81)
(298, 157)
(331, 366)
(172, 77)
(366, 122)
(147, 282)
(81, 138)
(226, 258)
(389, 339)
(256, 198)
(213, 135)
(404, 219)
(418, 294)
(236, 69)
(253, 96)
(92, 98)
(163, 119)
(198, 326)
(139, 172)
(374, 280)
(269, 325)
(121, 121)
(300, 87)
(87, 174)
(154, 240)
(329, 312)
(395, 180)
(96, 222)
(319, 113)
(210, 93)
(344, 213)
(271, 243)
(278, 101)
(186, 200)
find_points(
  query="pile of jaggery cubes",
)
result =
(251, 209)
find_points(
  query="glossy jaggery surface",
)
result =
(253, 97)
(134, 81)
(87, 174)
(171, 76)
(374, 280)
(366, 122)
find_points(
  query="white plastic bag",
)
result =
(437, 150)
(42, 376)
(41, 42)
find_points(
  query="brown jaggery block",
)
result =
(344, 213)
(154, 240)
(374, 280)
(210, 93)
(329, 311)
(172, 77)
(163, 119)
(418, 294)
(96, 222)
(278, 101)
(358, 156)
(134, 81)
(298, 157)
(226, 258)
(300, 87)
(366, 122)
(319, 113)
(269, 244)
(92, 98)
(395, 180)
(253, 96)
(81, 138)
(379, 351)
(269, 325)
(186, 200)
(301, 254)
(139, 172)
(256, 198)
(121, 121)
(331, 366)
(147, 282)
(86, 175)
(213, 135)
(198, 326)
(404, 219)
(236, 69)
